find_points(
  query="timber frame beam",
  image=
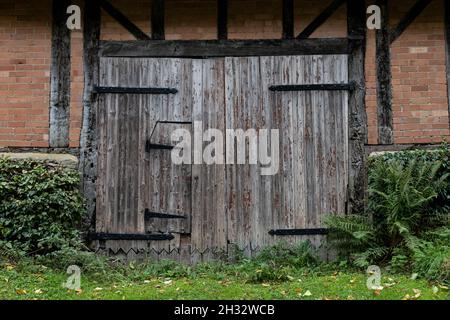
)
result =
(409, 18)
(384, 78)
(88, 137)
(357, 183)
(321, 18)
(223, 48)
(123, 20)
(60, 77)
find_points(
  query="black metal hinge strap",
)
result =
(157, 215)
(298, 232)
(155, 146)
(130, 90)
(315, 87)
(121, 236)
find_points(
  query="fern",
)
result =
(408, 214)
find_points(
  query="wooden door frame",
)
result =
(354, 45)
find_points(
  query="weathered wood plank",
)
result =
(60, 77)
(223, 48)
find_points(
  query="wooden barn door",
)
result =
(143, 200)
(273, 93)
(141, 192)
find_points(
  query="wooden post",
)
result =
(356, 26)
(222, 19)
(88, 143)
(288, 19)
(158, 15)
(384, 79)
(60, 77)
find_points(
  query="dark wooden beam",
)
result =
(356, 26)
(123, 20)
(317, 22)
(409, 18)
(88, 142)
(158, 19)
(384, 78)
(447, 47)
(60, 77)
(223, 48)
(288, 19)
(222, 19)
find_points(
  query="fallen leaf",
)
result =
(9, 267)
(307, 293)
(414, 276)
(266, 285)
(417, 293)
(146, 281)
(38, 291)
(79, 291)
(406, 297)
(168, 282)
(387, 285)
(21, 291)
(377, 292)
(98, 289)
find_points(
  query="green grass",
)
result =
(38, 282)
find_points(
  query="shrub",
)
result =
(408, 202)
(40, 206)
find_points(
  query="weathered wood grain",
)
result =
(60, 77)
(223, 48)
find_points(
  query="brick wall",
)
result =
(419, 77)
(418, 60)
(25, 32)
